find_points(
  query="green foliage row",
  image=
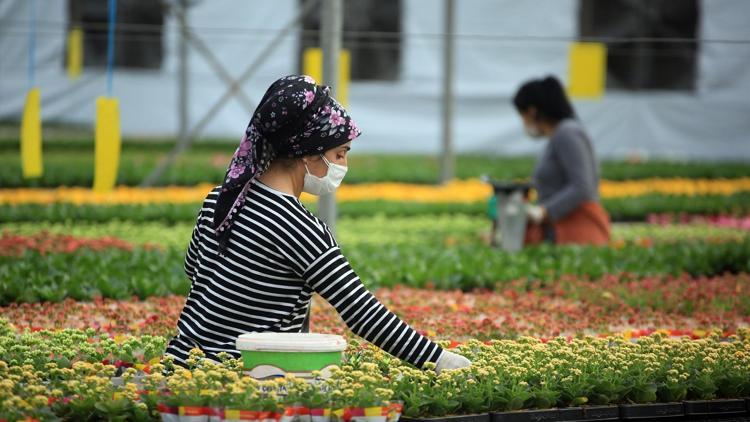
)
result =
(71, 163)
(115, 273)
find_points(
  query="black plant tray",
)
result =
(601, 413)
(728, 407)
(545, 415)
(569, 414)
(730, 410)
(652, 411)
(481, 417)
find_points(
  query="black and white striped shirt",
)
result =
(278, 255)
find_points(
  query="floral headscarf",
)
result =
(296, 117)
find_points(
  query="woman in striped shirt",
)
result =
(256, 255)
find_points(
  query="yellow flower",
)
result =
(457, 191)
(38, 401)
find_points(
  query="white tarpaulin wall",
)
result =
(711, 123)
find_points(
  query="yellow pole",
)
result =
(75, 52)
(31, 135)
(312, 65)
(107, 145)
(588, 70)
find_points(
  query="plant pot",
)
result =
(216, 414)
(168, 413)
(652, 411)
(601, 413)
(239, 415)
(194, 413)
(320, 415)
(480, 417)
(728, 407)
(529, 416)
(373, 413)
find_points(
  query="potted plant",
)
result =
(428, 397)
(642, 397)
(249, 400)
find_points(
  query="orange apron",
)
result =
(587, 224)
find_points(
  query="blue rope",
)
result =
(31, 68)
(111, 44)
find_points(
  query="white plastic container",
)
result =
(276, 354)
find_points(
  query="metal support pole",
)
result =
(447, 161)
(330, 41)
(182, 93)
(221, 71)
(233, 88)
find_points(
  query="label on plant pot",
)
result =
(368, 414)
(237, 415)
(320, 415)
(168, 413)
(296, 414)
(216, 414)
(394, 411)
(194, 413)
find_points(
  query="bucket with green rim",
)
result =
(276, 354)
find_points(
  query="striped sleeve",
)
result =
(191, 256)
(331, 276)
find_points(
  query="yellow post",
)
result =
(342, 89)
(588, 69)
(107, 155)
(75, 52)
(312, 65)
(31, 135)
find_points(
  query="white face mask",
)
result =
(533, 131)
(322, 185)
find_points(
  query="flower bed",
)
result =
(620, 209)
(728, 221)
(71, 163)
(457, 191)
(443, 230)
(120, 272)
(615, 304)
(45, 243)
(63, 374)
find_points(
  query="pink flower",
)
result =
(336, 118)
(309, 96)
(354, 131)
(243, 142)
(236, 171)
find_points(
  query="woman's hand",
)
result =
(536, 213)
(449, 360)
